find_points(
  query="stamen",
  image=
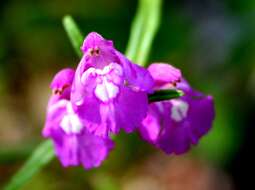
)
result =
(90, 51)
(59, 91)
(94, 51)
(55, 91)
(65, 86)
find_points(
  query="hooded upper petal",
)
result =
(98, 52)
(61, 89)
(61, 84)
(164, 75)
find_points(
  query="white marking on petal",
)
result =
(105, 70)
(117, 69)
(57, 105)
(108, 68)
(106, 91)
(160, 107)
(71, 123)
(79, 102)
(106, 80)
(87, 73)
(179, 110)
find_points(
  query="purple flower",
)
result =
(74, 145)
(109, 92)
(175, 125)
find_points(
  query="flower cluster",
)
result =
(107, 93)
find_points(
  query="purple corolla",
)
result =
(174, 125)
(109, 91)
(74, 144)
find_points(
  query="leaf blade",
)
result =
(135, 33)
(43, 154)
(143, 30)
(150, 29)
(74, 34)
(162, 95)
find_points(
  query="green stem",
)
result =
(152, 25)
(143, 30)
(135, 33)
(73, 33)
(43, 154)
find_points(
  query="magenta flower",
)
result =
(74, 145)
(174, 125)
(109, 92)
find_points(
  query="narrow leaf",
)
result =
(73, 33)
(165, 95)
(135, 33)
(41, 156)
(153, 13)
(143, 30)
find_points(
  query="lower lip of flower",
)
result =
(71, 123)
(106, 91)
(179, 110)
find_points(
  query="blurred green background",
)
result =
(212, 41)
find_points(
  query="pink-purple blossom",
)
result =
(109, 91)
(74, 145)
(175, 125)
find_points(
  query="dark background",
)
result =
(212, 41)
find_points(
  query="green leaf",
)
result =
(143, 30)
(161, 95)
(43, 154)
(73, 33)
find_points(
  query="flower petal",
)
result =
(175, 125)
(151, 126)
(130, 109)
(164, 74)
(55, 113)
(85, 148)
(98, 52)
(137, 77)
(109, 92)
(63, 77)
